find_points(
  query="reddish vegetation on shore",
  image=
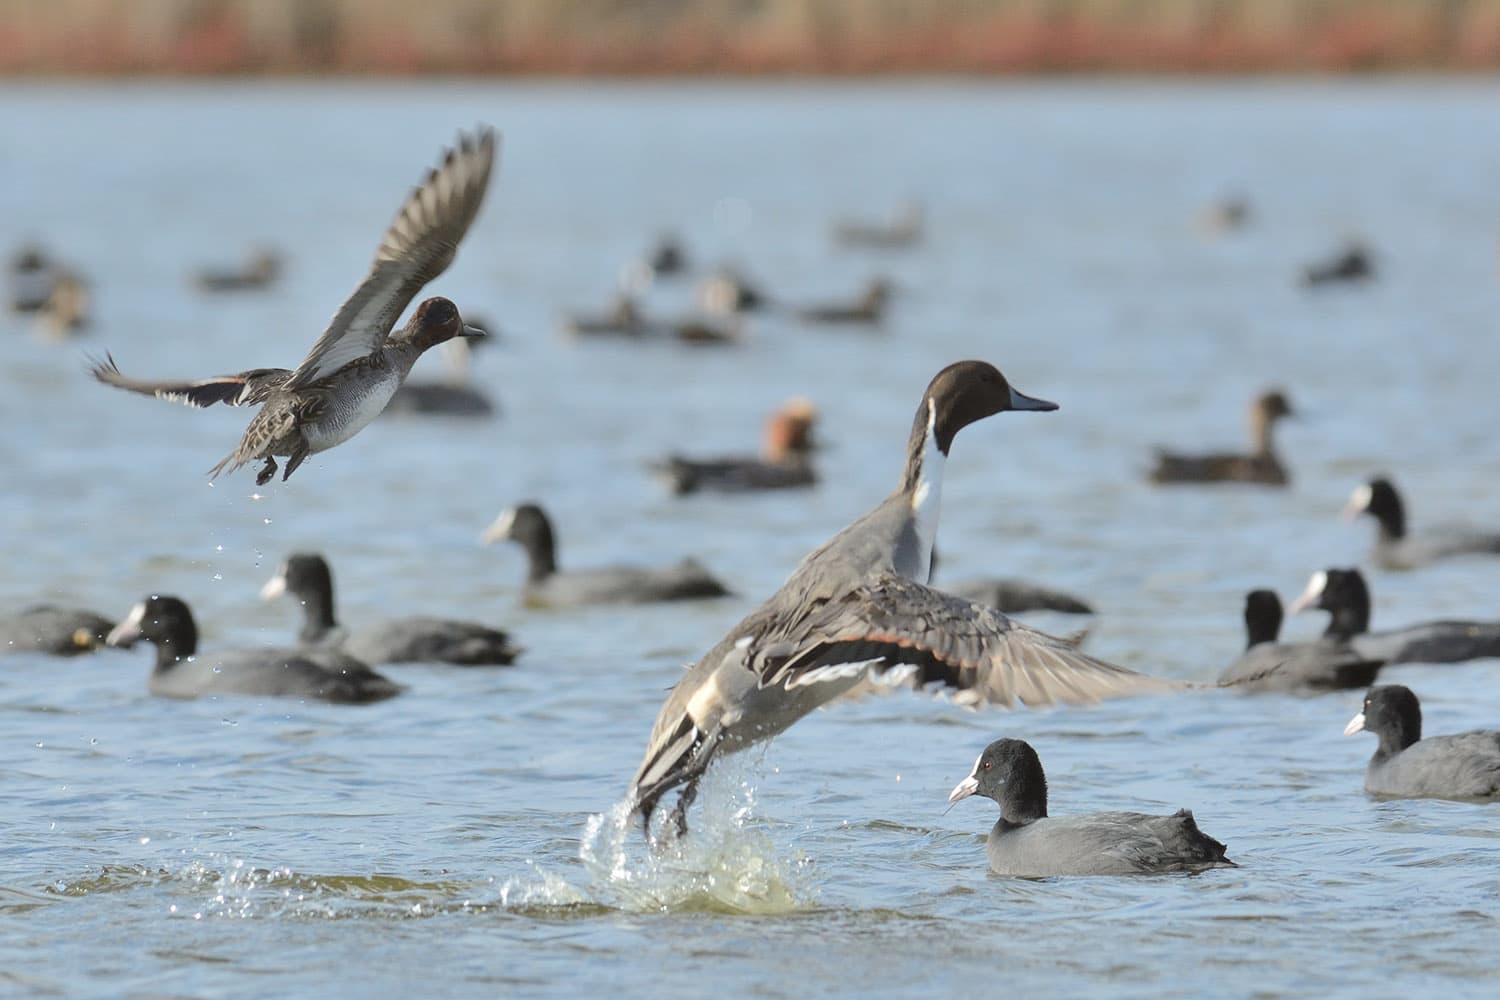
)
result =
(673, 37)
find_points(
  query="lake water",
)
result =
(463, 839)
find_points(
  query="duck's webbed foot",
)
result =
(267, 472)
(295, 459)
(678, 817)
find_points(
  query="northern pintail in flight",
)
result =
(858, 607)
(1259, 466)
(1025, 842)
(1394, 547)
(358, 363)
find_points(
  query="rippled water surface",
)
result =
(464, 838)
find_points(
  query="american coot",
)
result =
(869, 308)
(358, 363)
(1344, 595)
(181, 672)
(1461, 766)
(1260, 466)
(46, 628)
(548, 586)
(855, 609)
(306, 576)
(784, 461)
(1394, 548)
(1268, 665)
(1027, 843)
(904, 230)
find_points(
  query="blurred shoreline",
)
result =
(743, 37)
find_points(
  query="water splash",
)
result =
(728, 863)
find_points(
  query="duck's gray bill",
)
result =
(473, 331)
(1021, 401)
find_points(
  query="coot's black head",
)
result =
(158, 619)
(1010, 772)
(1262, 616)
(1335, 590)
(1393, 714)
(524, 523)
(303, 575)
(1379, 499)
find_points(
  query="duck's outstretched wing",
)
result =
(902, 632)
(245, 389)
(417, 247)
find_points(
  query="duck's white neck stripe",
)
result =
(927, 497)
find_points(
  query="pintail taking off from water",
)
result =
(359, 362)
(859, 607)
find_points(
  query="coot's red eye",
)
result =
(986, 765)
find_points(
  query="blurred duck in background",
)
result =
(1259, 466)
(905, 229)
(47, 628)
(1351, 264)
(625, 319)
(1225, 216)
(728, 291)
(868, 309)
(31, 275)
(1327, 664)
(1394, 548)
(260, 270)
(66, 310)
(784, 462)
(667, 257)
